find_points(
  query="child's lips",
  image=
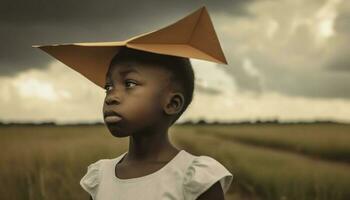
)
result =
(112, 119)
(112, 116)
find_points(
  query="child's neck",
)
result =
(150, 147)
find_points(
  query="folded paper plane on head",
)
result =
(192, 37)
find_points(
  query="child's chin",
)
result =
(119, 134)
(117, 131)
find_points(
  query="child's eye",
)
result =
(128, 82)
(107, 87)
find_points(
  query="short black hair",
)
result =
(180, 68)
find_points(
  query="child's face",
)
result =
(138, 96)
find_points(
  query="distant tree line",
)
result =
(189, 122)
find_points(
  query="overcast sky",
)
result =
(288, 59)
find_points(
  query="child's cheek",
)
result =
(144, 108)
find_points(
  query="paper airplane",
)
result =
(192, 37)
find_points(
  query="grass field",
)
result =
(267, 161)
(324, 141)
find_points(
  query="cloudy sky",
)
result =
(288, 59)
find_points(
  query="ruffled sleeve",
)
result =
(202, 173)
(91, 179)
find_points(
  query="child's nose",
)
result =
(112, 99)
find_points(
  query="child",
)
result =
(147, 90)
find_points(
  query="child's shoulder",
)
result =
(203, 162)
(92, 177)
(202, 172)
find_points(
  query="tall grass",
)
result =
(48, 163)
(325, 141)
(272, 174)
(38, 163)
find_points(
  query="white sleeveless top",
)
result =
(184, 177)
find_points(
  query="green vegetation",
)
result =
(270, 173)
(48, 162)
(324, 141)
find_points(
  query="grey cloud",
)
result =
(304, 80)
(290, 63)
(340, 47)
(24, 23)
(67, 11)
(207, 90)
(243, 80)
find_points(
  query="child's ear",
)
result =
(174, 103)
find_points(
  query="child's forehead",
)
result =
(142, 69)
(124, 68)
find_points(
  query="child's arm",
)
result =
(213, 193)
